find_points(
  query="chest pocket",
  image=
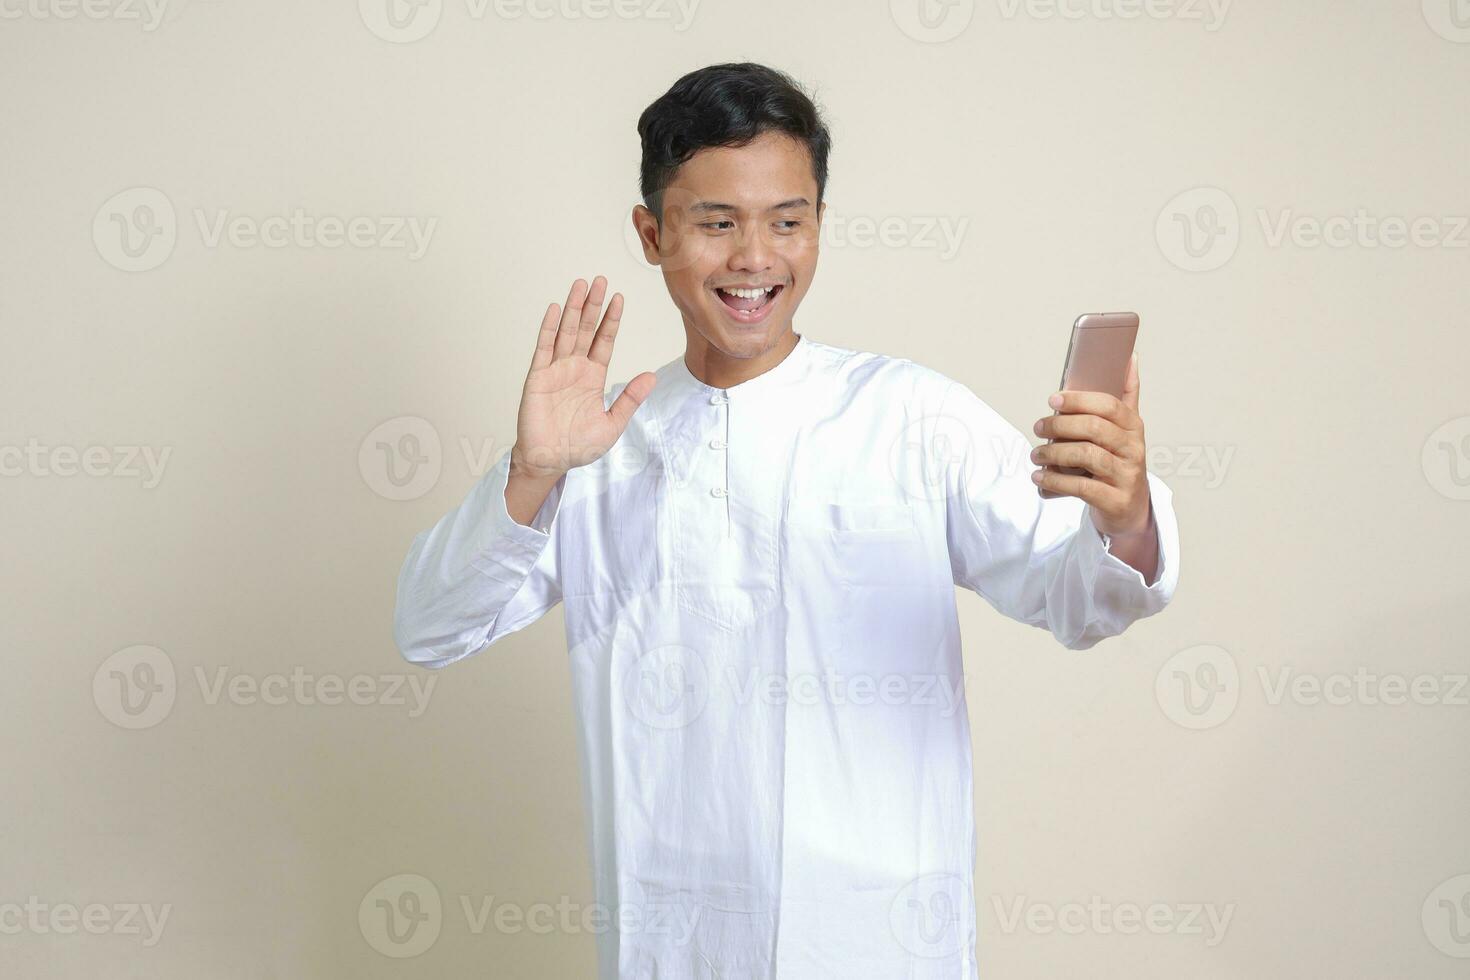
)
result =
(857, 544)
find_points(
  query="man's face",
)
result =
(737, 218)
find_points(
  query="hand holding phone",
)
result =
(1097, 360)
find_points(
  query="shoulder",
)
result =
(886, 375)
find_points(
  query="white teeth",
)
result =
(748, 293)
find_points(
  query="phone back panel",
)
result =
(1098, 357)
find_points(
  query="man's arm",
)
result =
(489, 567)
(1045, 562)
(478, 574)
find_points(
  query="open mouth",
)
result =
(749, 305)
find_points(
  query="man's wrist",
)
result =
(1147, 530)
(527, 472)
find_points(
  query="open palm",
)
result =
(562, 423)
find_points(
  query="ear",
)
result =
(646, 225)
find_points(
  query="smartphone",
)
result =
(1097, 360)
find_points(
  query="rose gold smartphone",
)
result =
(1097, 360)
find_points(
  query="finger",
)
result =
(1093, 403)
(602, 345)
(632, 395)
(1083, 488)
(1086, 428)
(587, 326)
(566, 334)
(1130, 387)
(1102, 464)
(546, 338)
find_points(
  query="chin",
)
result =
(747, 343)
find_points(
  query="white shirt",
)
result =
(759, 589)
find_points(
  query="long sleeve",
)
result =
(477, 575)
(1040, 561)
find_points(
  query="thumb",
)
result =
(633, 394)
(1130, 386)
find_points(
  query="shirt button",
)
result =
(717, 444)
(718, 398)
(717, 491)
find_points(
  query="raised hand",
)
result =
(561, 422)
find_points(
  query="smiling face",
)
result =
(738, 248)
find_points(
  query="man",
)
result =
(758, 546)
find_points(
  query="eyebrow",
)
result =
(704, 207)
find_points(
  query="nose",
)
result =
(752, 252)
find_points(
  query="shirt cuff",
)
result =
(509, 545)
(1094, 547)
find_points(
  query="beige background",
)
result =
(1328, 537)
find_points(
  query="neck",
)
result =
(720, 370)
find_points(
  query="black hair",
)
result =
(725, 105)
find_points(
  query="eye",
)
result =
(712, 224)
(788, 225)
